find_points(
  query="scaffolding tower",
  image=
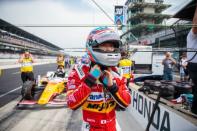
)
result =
(144, 17)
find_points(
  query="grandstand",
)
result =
(14, 40)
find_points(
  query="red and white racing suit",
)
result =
(98, 103)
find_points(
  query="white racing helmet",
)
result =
(99, 36)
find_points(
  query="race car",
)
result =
(48, 90)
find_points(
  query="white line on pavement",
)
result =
(11, 91)
(117, 126)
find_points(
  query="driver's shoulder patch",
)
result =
(80, 71)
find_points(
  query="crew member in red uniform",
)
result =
(98, 88)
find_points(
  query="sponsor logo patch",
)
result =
(80, 72)
(102, 107)
(99, 96)
(96, 96)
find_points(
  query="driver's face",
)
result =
(108, 47)
(27, 54)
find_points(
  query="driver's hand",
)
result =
(93, 76)
(107, 78)
(96, 72)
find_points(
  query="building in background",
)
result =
(144, 18)
(175, 36)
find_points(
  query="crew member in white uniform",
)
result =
(192, 59)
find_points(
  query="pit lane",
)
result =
(44, 119)
(50, 119)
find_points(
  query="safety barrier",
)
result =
(13, 63)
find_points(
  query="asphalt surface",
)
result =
(10, 81)
(39, 119)
(43, 118)
(53, 119)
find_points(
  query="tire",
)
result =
(166, 87)
(27, 90)
(37, 92)
(182, 88)
(167, 90)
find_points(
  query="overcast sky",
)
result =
(62, 12)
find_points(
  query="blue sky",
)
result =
(56, 12)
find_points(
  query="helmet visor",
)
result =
(113, 48)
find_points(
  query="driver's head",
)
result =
(60, 71)
(60, 68)
(26, 54)
(61, 55)
(103, 46)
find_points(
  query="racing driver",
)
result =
(98, 88)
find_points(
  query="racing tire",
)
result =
(27, 90)
(182, 88)
(38, 92)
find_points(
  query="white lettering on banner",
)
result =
(144, 107)
(119, 11)
(164, 119)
